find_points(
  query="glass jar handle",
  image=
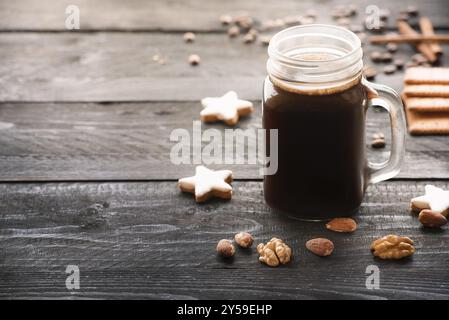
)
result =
(387, 98)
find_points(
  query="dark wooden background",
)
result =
(85, 118)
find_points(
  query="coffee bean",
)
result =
(307, 20)
(337, 15)
(386, 57)
(362, 36)
(225, 19)
(380, 27)
(412, 11)
(389, 69)
(343, 22)
(399, 63)
(369, 72)
(338, 12)
(254, 32)
(292, 21)
(378, 135)
(392, 47)
(265, 40)
(244, 21)
(356, 28)
(419, 58)
(352, 10)
(411, 64)
(376, 56)
(194, 59)
(403, 16)
(311, 13)
(189, 37)
(249, 38)
(233, 31)
(384, 14)
(378, 143)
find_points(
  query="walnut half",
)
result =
(274, 252)
(392, 247)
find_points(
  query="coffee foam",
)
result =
(316, 89)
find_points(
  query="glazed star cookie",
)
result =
(227, 108)
(435, 199)
(207, 183)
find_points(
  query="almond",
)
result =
(320, 246)
(432, 219)
(342, 225)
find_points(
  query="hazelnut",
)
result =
(244, 239)
(225, 248)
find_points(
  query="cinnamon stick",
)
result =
(409, 38)
(427, 30)
(423, 47)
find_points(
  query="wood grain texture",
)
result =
(91, 141)
(119, 67)
(147, 240)
(179, 15)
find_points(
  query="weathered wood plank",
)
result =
(146, 240)
(178, 15)
(119, 67)
(79, 141)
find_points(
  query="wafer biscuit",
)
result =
(426, 104)
(422, 123)
(427, 90)
(422, 75)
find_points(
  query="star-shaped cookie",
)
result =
(227, 108)
(207, 183)
(435, 199)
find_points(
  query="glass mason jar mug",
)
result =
(317, 99)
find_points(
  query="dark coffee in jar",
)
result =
(321, 150)
(316, 99)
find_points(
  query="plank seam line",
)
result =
(103, 102)
(8, 181)
(152, 30)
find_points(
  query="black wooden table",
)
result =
(85, 119)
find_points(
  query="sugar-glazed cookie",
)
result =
(435, 199)
(207, 183)
(227, 108)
